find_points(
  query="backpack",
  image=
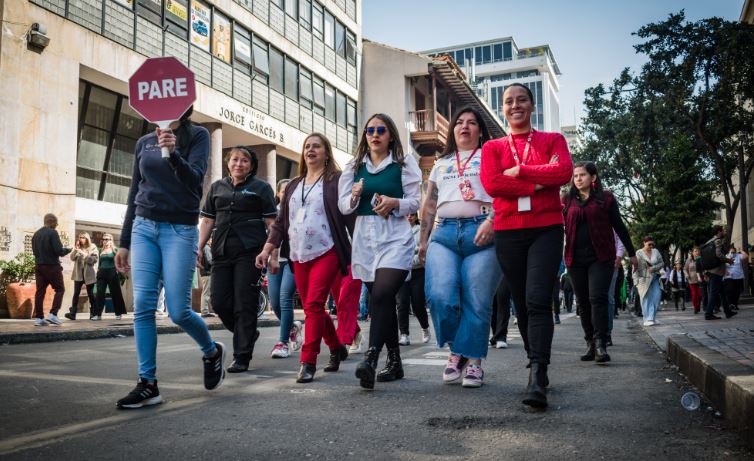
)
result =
(709, 259)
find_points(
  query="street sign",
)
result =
(161, 90)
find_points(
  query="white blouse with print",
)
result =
(310, 238)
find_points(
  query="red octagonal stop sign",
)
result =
(161, 90)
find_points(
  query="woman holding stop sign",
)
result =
(160, 229)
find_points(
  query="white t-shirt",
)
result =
(445, 175)
(311, 238)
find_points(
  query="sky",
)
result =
(591, 40)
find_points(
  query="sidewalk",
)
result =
(717, 356)
(23, 331)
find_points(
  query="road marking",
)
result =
(424, 362)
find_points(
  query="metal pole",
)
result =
(742, 189)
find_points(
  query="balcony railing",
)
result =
(428, 120)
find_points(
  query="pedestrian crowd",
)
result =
(494, 238)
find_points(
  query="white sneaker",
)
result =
(649, 323)
(515, 321)
(501, 345)
(40, 323)
(117, 317)
(95, 317)
(53, 319)
(280, 351)
(426, 335)
(296, 335)
(356, 345)
(404, 340)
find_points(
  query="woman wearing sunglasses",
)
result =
(382, 187)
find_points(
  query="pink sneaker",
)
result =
(453, 369)
(473, 376)
(280, 351)
(296, 335)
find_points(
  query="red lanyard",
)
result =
(526, 149)
(465, 164)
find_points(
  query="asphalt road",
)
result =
(58, 403)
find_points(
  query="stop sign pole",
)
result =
(161, 90)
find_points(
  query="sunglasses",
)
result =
(371, 130)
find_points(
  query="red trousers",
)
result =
(314, 279)
(696, 295)
(345, 292)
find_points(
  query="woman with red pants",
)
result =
(312, 233)
(695, 278)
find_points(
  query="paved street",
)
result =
(60, 404)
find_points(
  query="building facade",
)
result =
(492, 65)
(268, 73)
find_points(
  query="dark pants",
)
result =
(52, 275)
(733, 289)
(501, 312)
(715, 295)
(384, 326)
(108, 278)
(530, 259)
(75, 299)
(235, 295)
(679, 295)
(568, 298)
(556, 296)
(411, 295)
(591, 283)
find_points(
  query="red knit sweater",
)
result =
(546, 209)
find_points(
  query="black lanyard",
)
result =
(303, 186)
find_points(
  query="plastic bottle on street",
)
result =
(691, 401)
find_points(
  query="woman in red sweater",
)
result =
(523, 172)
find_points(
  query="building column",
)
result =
(215, 164)
(267, 156)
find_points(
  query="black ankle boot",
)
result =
(336, 356)
(600, 351)
(366, 369)
(536, 391)
(589, 356)
(306, 373)
(393, 366)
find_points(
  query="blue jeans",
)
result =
(611, 302)
(156, 246)
(651, 300)
(363, 308)
(461, 279)
(281, 287)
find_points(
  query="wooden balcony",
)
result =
(429, 131)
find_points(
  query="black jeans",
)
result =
(556, 296)
(235, 295)
(679, 295)
(591, 284)
(108, 278)
(501, 312)
(715, 295)
(383, 330)
(568, 298)
(75, 299)
(733, 289)
(530, 259)
(411, 295)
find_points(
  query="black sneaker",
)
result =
(144, 394)
(214, 373)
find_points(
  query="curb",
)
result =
(725, 383)
(106, 332)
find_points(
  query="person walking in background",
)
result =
(47, 249)
(462, 270)
(84, 257)
(678, 281)
(501, 314)
(556, 294)
(160, 229)
(620, 252)
(205, 271)
(733, 282)
(239, 208)
(411, 295)
(523, 172)
(281, 288)
(567, 287)
(694, 271)
(107, 277)
(312, 234)
(381, 186)
(647, 279)
(717, 266)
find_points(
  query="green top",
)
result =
(107, 260)
(386, 182)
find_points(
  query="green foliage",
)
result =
(18, 269)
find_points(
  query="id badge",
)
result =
(466, 192)
(524, 203)
(300, 216)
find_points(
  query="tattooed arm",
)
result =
(429, 210)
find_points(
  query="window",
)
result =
(478, 55)
(459, 57)
(277, 3)
(291, 8)
(261, 59)
(351, 47)
(291, 78)
(221, 37)
(507, 51)
(351, 116)
(498, 52)
(487, 54)
(277, 82)
(340, 106)
(305, 85)
(340, 39)
(317, 20)
(329, 30)
(329, 102)
(319, 96)
(176, 17)
(242, 49)
(468, 56)
(150, 9)
(305, 13)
